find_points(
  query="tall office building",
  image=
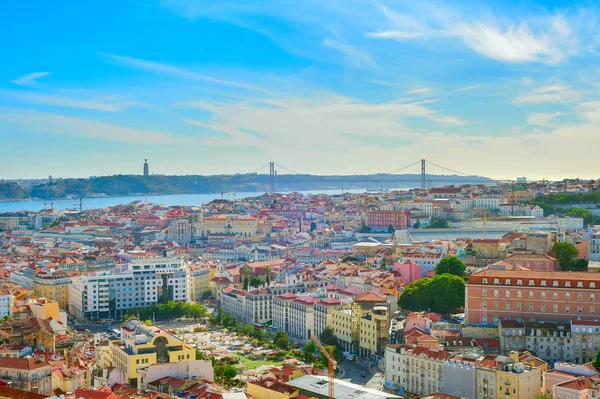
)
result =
(146, 171)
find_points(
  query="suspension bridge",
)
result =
(422, 172)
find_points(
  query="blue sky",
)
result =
(327, 87)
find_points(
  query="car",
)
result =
(363, 374)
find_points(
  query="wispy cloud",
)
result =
(355, 56)
(29, 79)
(105, 103)
(548, 38)
(175, 71)
(419, 90)
(467, 88)
(559, 94)
(544, 119)
(84, 128)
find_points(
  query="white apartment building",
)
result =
(586, 340)
(281, 311)
(425, 207)
(233, 303)
(259, 305)
(414, 369)
(301, 318)
(323, 314)
(595, 247)
(489, 202)
(142, 283)
(6, 303)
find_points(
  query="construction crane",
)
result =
(331, 363)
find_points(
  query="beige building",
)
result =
(301, 318)
(29, 374)
(323, 314)
(230, 224)
(54, 285)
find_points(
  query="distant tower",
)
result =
(146, 171)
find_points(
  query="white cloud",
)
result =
(467, 88)
(182, 73)
(530, 37)
(543, 119)
(355, 56)
(83, 128)
(589, 111)
(105, 104)
(419, 90)
(559, 94)
(29, 79)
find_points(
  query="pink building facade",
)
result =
(408, 271)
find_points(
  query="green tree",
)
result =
(199, 355)
(596, 362)
(337, 352)
(566, 254)
(283, 342)
(229, 372)
(309, 351)
(544, 396)
(580, 265)
(249, 329)
(55, 223)
(256, 282)
(391, 229)
(584, 213)
(267, 275)
(246, 283)
(438, 224)
(451, 265)
(148, 322)
(383, 264)
(442, 293)
(328, 337)
(417, 224)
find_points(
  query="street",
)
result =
(354, 371)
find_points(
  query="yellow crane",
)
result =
(331, 363)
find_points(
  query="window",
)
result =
(519, 294)
(519, 306)
(543, 295)
(555, 283)
(496, 281)
(531, 282)
(567, 296)
(567, 308)
(495, 304)
(555, 308)
(555, 296)
(484, 293)
(567, 284)
(484, 281)
(579, 309)
(496, 293)
(507, 306)
(519, 282)
(507, 294)
(531, 294)
(592, 298)
(531, 307)
(484, 304)
(543, 283)
(543, 307)
(579, 296)
(507, 281)
(592, 309)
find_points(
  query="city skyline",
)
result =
(339, 87)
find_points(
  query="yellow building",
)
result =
(519, 196)
(515, 380)
(142, 346)
(374, 331)
(271, 388)
(200, 281)
(44, 308)
(54, 285)
(230, 224)
(489, 248)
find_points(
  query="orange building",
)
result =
(494, 294)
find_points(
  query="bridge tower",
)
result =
(423, 175)
(271, 177)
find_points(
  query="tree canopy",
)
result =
(438, 224)
(442, 294)
(451, 265)
(596, 362)
(586, 214)
(328, 337)
(309, 351)
(566, 254)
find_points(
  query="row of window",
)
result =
(555, 295)
(543, 283)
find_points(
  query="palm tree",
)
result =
(246, 271)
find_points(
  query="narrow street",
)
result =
(354, 374)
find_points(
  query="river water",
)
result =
(168, 200)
